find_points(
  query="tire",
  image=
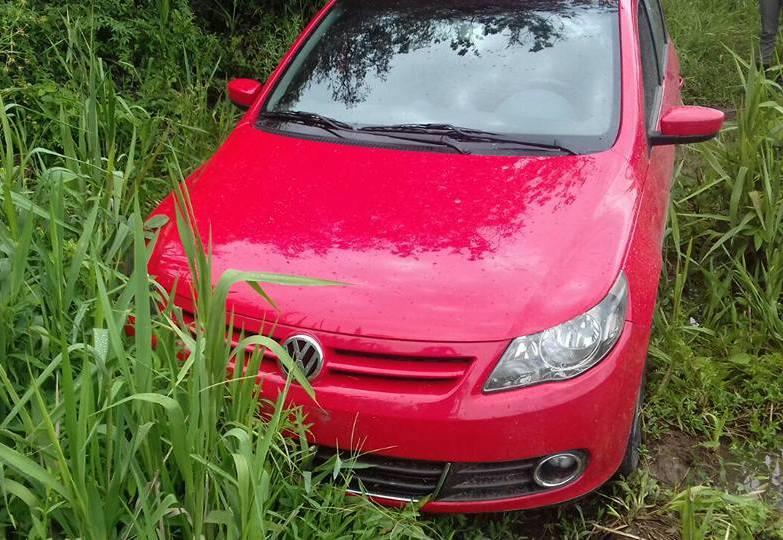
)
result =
(633, 450)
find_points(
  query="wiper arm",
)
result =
(308, 119)
(467, 135)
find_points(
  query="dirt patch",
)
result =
(677, 457)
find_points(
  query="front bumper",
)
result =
(450, 420)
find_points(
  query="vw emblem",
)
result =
(307, 354)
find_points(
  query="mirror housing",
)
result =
(688, 124)
(243, 92)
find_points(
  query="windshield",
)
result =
(544, 71)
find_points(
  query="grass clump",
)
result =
(707, 33)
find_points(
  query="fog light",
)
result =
(559, 469)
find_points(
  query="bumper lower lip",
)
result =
(593, 412)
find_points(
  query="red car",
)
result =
(491, 181)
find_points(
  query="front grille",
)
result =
(392, 478)
(413, 480)
(375, 370)
(395, 366)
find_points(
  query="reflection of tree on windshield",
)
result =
(368, 35)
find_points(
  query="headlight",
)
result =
(566, 350)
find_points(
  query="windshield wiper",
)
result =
(308, 119)
(336, 127)
(466, 135)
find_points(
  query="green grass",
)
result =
(707, 33)
(103, 435)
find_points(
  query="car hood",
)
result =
(431, 246)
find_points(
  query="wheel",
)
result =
(633, 451)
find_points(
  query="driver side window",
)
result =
(658, 24)
(652, 75)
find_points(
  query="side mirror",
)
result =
(681, 125)
(243, 92)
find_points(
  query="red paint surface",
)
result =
(692, 121)
(447, 258)
(243, 92)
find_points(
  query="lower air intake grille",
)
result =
(412, 480)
